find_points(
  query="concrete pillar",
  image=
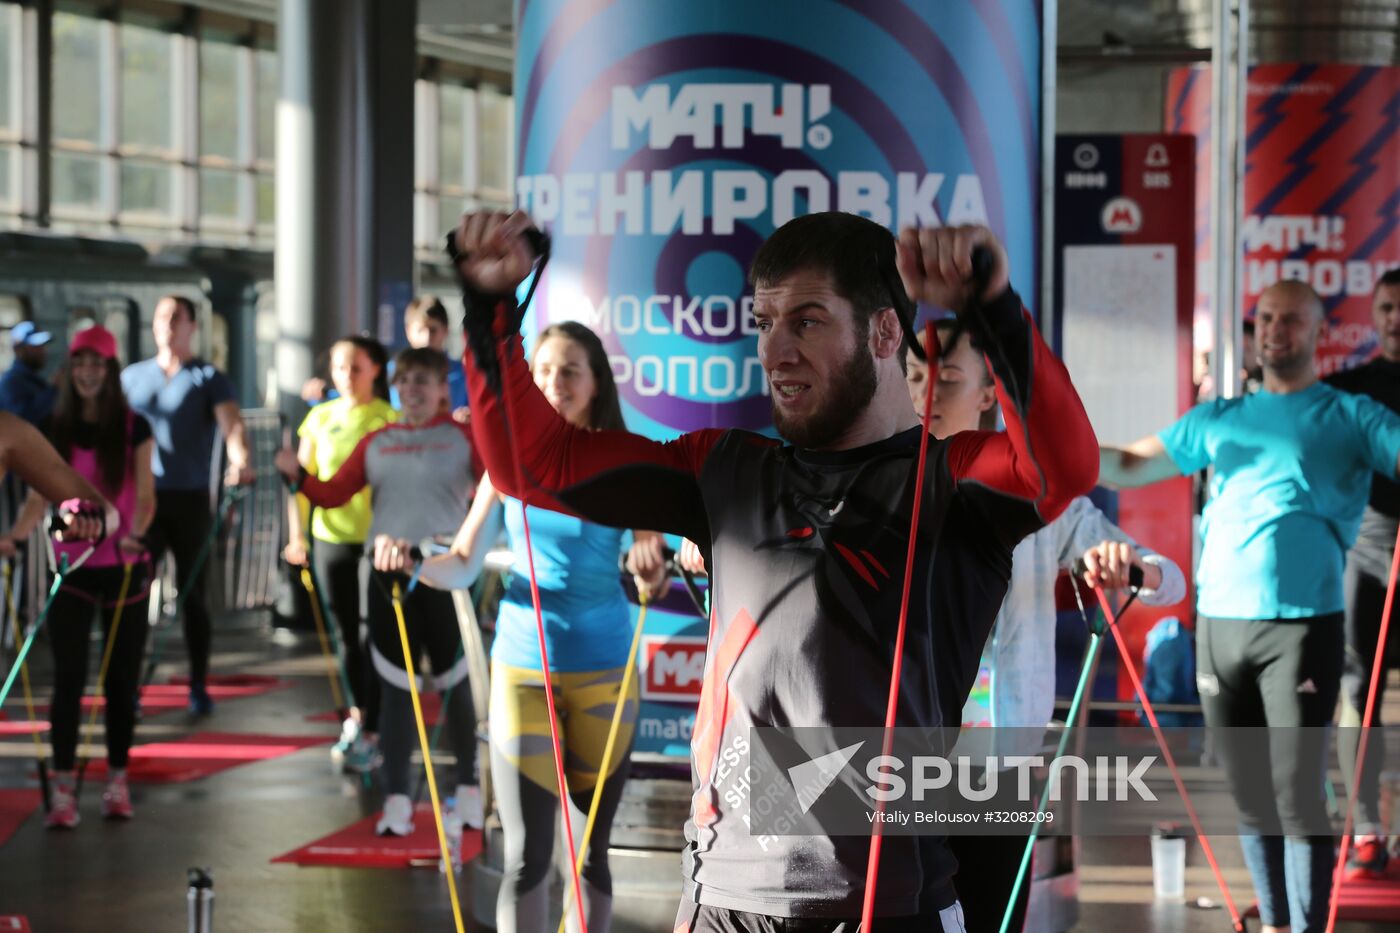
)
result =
(344, 175)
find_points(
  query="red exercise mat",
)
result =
(155, 699)
(165, 698)
(10, 727)
(15, 807)
(1366, 900)
(202, 754)
(432, 709)
(356, 846)
(9, 923)
(234, 680)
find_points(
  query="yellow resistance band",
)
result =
(111, 640)
(409, 667)
(606, 768)
(24, 668)
(337, 697)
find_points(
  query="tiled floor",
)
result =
(120, 878)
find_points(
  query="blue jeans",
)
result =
(1292, 879)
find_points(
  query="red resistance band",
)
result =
(872, 869)
(1377, 671)
(1131, 668)
(560, 780)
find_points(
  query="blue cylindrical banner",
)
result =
(660, 143)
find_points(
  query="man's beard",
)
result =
(1289, 367)
(848, 395)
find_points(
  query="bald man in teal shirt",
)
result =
(1292, 467)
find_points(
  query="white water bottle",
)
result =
(1168, 862)
(200, 900)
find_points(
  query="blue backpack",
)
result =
(1169, 659)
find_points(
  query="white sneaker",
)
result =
(349, 732)
(398, 816)
(468, 806)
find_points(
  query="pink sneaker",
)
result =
(116, 798)
(63, 806)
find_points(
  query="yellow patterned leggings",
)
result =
(522, 772)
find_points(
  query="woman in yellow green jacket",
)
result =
(328, 436)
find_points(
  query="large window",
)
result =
(164, 117)
(237, 105)
(464, 158)
(83, 136)
(496, 124)
(149, 156)
(11, 103)
(160, 130)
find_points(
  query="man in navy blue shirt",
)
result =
(425, 325)
(187, 400)
(23, 389)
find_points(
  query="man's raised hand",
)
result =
(935, 265)
(495, 256)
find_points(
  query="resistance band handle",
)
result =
(429, 547)
(982, 262)
(668, 556)
(294, 485)
(484, 331)
(1135, 575)
(981, 265)
(83, 508)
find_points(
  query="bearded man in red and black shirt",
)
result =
(806, 541)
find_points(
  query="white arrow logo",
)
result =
(811, 778)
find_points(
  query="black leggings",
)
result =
(70, 631)
(181, 526)
(342, 570)
(1365, 595)
(987, 867)
(1284, 675)
(430, 618)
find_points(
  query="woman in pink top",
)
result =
(110, 446)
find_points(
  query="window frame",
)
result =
(429, 188)
(190, 30)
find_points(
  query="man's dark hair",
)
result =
(1249, 328)
(425, 309)
(184, 304)
(426, 358)
(857, 253)
(1389, 277)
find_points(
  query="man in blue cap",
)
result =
(23, 389)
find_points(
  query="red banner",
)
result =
(1322, 188)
